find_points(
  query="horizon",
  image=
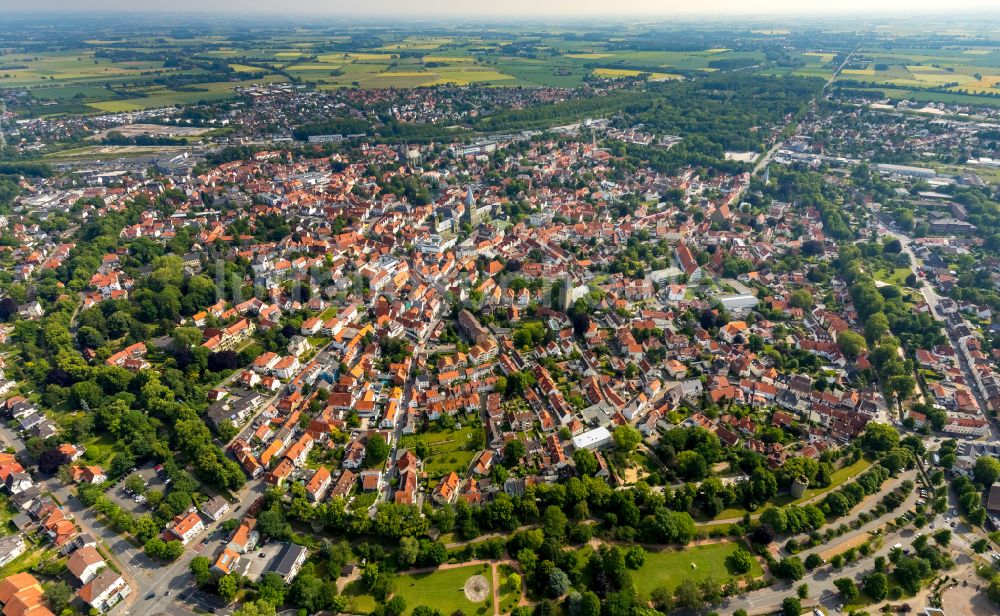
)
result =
(517, 10)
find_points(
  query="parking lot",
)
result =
(260, 559)
(127, 501)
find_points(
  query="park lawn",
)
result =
(671, 567)
(448, 450)
(442, 589)
(509, 597)
(895, 277)
(837, 479)
(99, 450)
(358, 600)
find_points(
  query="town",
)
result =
(459, 349)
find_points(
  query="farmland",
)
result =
(117, 73)
(951, 74)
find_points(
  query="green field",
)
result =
(442, 590)
(358, 599)
(895, 277)
(670, 567)
(448, 450)
(837, 478)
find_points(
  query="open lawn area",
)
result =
(442, 590)
(838, 478)
(448, 449)
(895, 277)
(670, 567)
(358, 600)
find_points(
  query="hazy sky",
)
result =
(512, 8)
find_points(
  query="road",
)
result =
(397, 432)
(766, 159)
(142, 573)
(933, 299)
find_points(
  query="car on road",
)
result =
(150, 595)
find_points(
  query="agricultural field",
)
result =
(700, 61)
(70, 68)
(81, 81)
(947, 74)
(166, 97)
(671, 567)
(441, 589)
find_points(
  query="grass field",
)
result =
(838, 478)
(671, 567)
(448, 450)
(895, 277)
(442, 590)
(358, 600)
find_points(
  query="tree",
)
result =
(801, 298)
(691, 465)
(307, 592)
(409, 548)
(848, 589)
(740, 561)
(586, 462)
(271, 589)
(626, 438)
(200, 568)
(555, 523)
(376, 451)
(851, 343)
(813, 560)
(59, 594)
(228, 586)
(993, 590)
(942, 536)
(986, 470)
(876, 585)
(880, 437)
(688, 595)
(558, 582)
(512, 453)
(395, 607)
(135, 483)
(585, 604)
(790, 568)
(791, 606)
(255, 608)
(910, 572)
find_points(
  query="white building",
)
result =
(593, 439)
(105, 590)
